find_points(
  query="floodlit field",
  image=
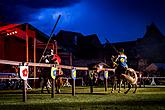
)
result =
(144, 99)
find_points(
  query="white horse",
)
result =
(131, 78)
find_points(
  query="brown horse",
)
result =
(47, 77)
(52, 59)
(59, 80)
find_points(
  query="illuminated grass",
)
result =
(144, 99)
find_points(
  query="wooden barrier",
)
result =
(47, 65)
(58, 66)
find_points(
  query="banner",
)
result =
(53, 72)
(24, 72)
(106, 74)
(91, 74)
(74, 73)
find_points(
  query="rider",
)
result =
(47, 58)
(121, 61)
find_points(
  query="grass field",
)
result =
(144, 99)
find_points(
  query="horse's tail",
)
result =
(133, 78)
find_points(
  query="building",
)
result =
(21, 42)
(79, 50)
(84, 49)
(146, 50)
(141, 52)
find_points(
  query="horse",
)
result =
(45, 74)
(58, 80)
(130, 76)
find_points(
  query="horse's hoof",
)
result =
(125, 92)
(58, 91)
(119, 91)
(112, 91)
(134, 92)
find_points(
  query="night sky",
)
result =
(117, 20)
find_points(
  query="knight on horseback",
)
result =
(122, 72)
(52, 58)
(121, 62)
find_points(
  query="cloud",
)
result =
(22, 10)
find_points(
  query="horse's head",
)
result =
(113, 59)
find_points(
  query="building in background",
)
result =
(15, 46)
(78, 50)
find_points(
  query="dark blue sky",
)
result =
(117, 20)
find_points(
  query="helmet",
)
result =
(121, 50)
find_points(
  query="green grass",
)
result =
(144, 99)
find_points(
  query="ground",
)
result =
(144, 99)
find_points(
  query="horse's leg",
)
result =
(120, 82)
(56, 84)
(43, 85)
(124, 83)
(114, 84)
(59, 85)
(129, 87)
(135, 88)
(47, 87)
(42, 89)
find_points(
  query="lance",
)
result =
(51, 34)
(111, 45)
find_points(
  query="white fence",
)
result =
(151, 81)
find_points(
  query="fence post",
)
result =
(91, 80)
(106, 80)
(140, 78)
(73, 80)
(73, 87)
(53, 87)
(24, 91)
(53, 75)
(24, 87)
